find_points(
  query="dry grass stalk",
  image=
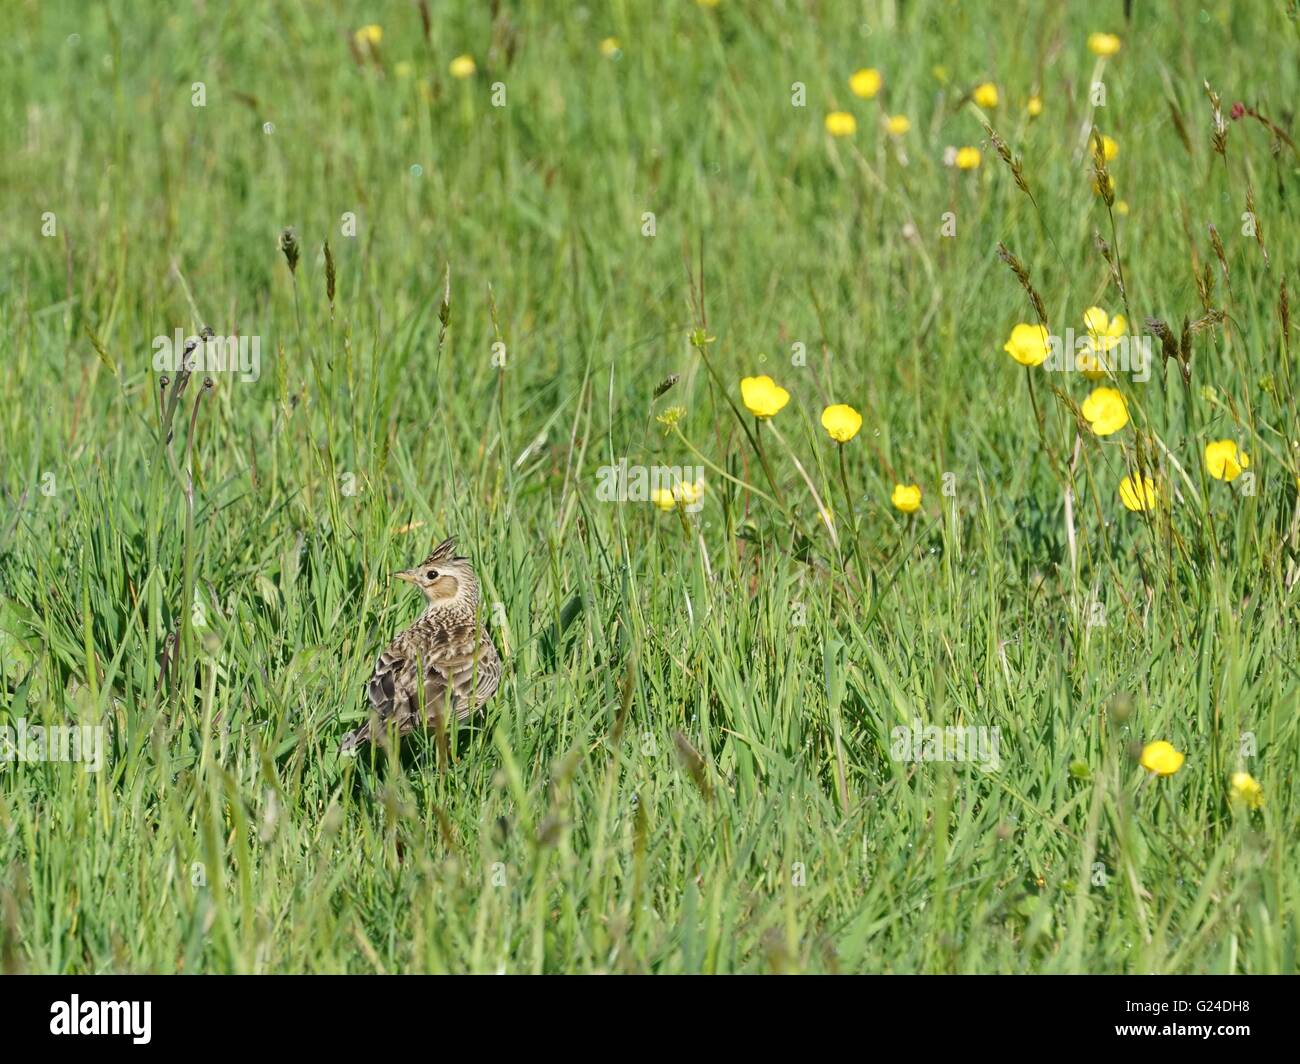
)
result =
(1108, 253)
(1284, 313)
(1180, 126)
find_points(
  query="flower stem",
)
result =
(757, 437)
(853, 517)
(720, 471)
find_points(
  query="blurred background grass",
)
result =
(676, 776)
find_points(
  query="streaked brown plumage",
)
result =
(445, 660)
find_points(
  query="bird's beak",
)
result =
(405, 574)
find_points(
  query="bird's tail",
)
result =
(354, 739)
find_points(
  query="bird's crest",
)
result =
(443, 552)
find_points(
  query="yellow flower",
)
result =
(1161, 758)
(842, 422)
(663, 498)
(1103, 328)
(1103, 44)
(762, 396)
(708, 3)
(866, 83)
(609, 47)
(967, 158)
(371, 34)
(462, 67)
(1224, 461)
(1121, 206)
(898, 125)
(1246, 789)
(1138, 493)
(1028, 344)
(1105, 410)
(1109, 147)
(1104, 332)
(906, 497)
(669, 418)
(1034, 106)
(1087, 363)
(986, 95)
(688, 494)
(404, 69)
(841, 124)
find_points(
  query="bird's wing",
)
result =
(459, 667)
(390, 691)
(471, 676)
(454, 671)
(393, 681)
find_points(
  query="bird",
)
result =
(445, 661)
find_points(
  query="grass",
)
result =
(687, 767)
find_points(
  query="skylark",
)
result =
(444, 661)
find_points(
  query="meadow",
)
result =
(488, 249)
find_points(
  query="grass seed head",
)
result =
(666, 384)
(289, 246)
(1159, 328)
(1219, 129)
(329, 274)
(1105, 186)
(1012, 161)
(1284, 313)
(1022, 275)
(694, 764)
(1221, 255)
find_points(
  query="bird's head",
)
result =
(444, 576)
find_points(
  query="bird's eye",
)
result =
(432, 574)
